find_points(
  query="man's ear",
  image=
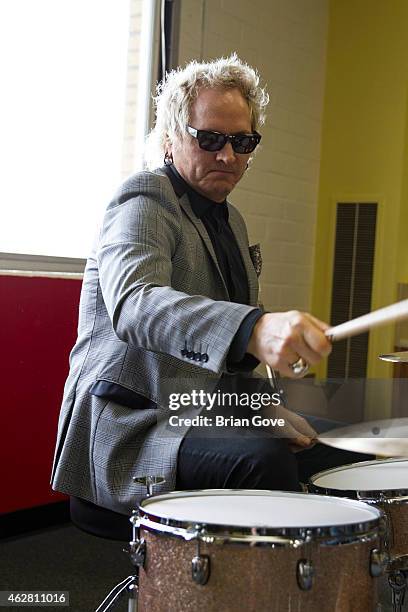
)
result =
(168, 146)
(168, 153)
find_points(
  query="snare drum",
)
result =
(382, 483)
(259, 551)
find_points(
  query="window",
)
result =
(73, 116)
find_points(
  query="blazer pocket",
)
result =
(120, 395)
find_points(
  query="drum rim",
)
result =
(377, 495)
(276, 536)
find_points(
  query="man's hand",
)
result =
(297, 430)
(280, 339)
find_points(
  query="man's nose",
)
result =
(226, 154)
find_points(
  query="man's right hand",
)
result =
(280, 339)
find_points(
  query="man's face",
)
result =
(214, 174)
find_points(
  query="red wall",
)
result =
(38, 320)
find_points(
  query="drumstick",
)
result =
(271, 377)
(389, 314)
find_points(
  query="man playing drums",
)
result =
(170, 293)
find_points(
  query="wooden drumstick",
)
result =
(389, 314)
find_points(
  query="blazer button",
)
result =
(204, 357)
(190, 354)
(197, 356)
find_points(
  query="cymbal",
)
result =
(401, 357)
(387, 437)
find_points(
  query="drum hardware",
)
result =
(137, 547)
(200, 567)
(128, 585)
(398, 583)
(305, 571)
(149, 482)
(137, 554)
(388, 533)
(379, 560)
(398, 564)
(397, 570)
(304, 574)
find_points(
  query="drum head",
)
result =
(391, 475)
(256, 509)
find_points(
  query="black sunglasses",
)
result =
(215, 141)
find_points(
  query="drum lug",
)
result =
(200, 569)
(137, 552)
(379, 560)
(200, 565)
(304, 574)
(137, 545)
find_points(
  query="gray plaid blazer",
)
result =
(154, 318)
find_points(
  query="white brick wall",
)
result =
(132, 90)
(286, 41)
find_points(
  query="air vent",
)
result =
(352, 284)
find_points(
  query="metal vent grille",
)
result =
(352, 284)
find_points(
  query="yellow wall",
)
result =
(402, 260)
(364, 155)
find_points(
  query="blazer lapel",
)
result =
(200, 227)
(240, 234)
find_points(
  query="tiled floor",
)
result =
(63, 559)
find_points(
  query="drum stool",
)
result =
(112, 526)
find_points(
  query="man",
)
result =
(170, 303)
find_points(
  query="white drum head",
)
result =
(368, 476)
(258, 509)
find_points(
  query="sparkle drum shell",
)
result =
(257, 543)
(383, 484)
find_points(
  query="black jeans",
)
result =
(247, 459)
(242, 459)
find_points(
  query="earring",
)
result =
(168, 159)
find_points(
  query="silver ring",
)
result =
(300, 367)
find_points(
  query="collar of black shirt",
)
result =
(200, 204)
